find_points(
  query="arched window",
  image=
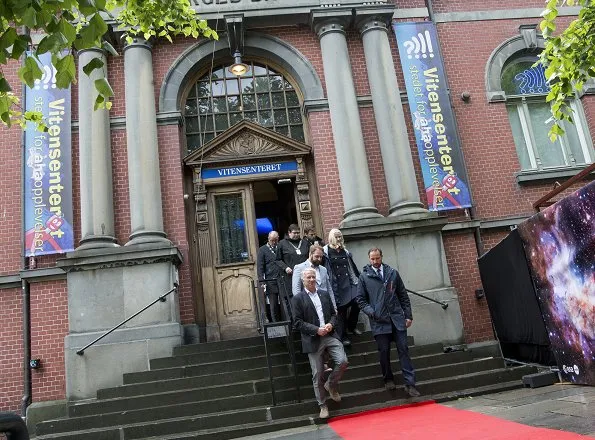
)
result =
(219, 100)
(525, 90)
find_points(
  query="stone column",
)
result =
(354, 174)
(97, 207)
(403, 193)
(146, 216)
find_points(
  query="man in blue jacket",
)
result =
(382, 296)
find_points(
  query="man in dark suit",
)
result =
(382, 296)
(267, 268)
(315, 318)
(291, 250)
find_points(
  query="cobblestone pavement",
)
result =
(561, 406)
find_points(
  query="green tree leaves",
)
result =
(68, 25)
(30, 71)
(569, 57)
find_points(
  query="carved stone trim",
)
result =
(109, 258)
(248, 144)
(202, 221)
(304, 207)
(246, 141)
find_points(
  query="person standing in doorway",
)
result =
(344, 276)
(291, 250)
(382, 296)
(310, 235)
(268, 269)
(315, 318)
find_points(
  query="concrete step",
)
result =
(277, 358)
(275, 345)
(225, 424)
(368, 376)
(378, 395)
(222, 345)
(192, 365)
(356, 378)
(157, 412)
(240, 430)
(275, 425)
(156, 427)
(188, 381)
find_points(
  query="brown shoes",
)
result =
(333, 393)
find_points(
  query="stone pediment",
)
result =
(246, 141)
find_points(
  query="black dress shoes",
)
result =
(346, 342)
(356, 331)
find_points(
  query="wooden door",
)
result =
(234, 246)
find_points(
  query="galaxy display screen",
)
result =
(560, 246)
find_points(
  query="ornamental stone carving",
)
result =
(247, 144)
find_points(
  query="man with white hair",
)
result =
(314, 261)
(315, 318)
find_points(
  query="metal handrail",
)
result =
(442, 303)
(161, 298)
(288, 328)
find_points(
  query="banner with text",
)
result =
(444, 174)
(48, 169)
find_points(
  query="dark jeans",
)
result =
(400, 338)
(348, 315)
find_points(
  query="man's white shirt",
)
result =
(317, 305)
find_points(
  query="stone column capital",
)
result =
(330, 20)
(369, 18)
(374, 23)
(137, 42)
(97, 50)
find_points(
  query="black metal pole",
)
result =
(257, 304)
(161, 298)
(443, 304)
(430, 10)
(27, 385)
(25, 288)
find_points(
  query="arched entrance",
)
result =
(247, 181)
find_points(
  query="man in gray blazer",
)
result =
(315, 318)
(314, 261)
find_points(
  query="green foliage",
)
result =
(68, 25)
(568, 58)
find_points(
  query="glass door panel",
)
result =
(231, 228)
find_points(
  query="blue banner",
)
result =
(48, 169)
(246, 170)
(444, 174)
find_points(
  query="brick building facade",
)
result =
(63, 288)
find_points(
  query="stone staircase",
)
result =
(221, 391)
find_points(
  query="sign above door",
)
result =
(249, 170)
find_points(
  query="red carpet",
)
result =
(430, 421)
